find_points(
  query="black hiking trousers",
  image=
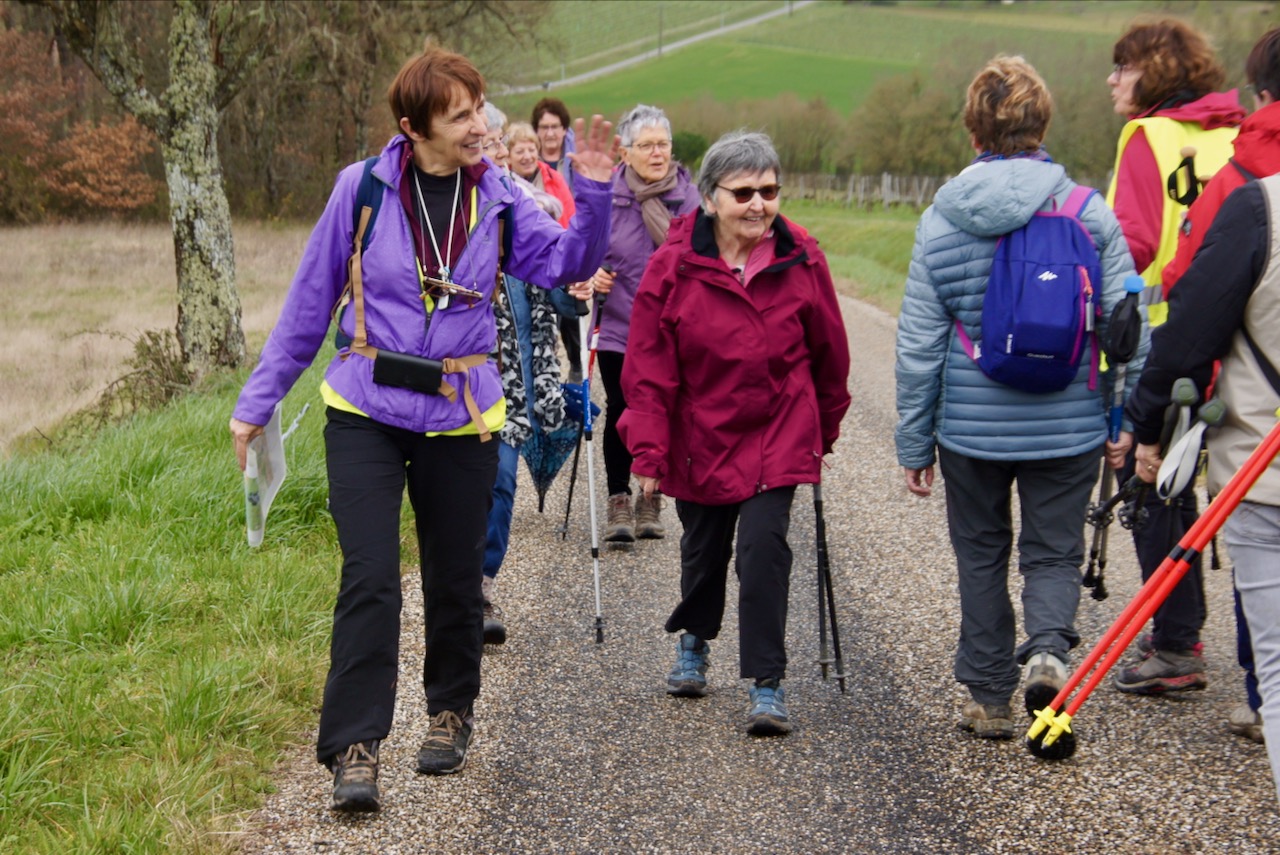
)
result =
(762, 564)
(450, 482)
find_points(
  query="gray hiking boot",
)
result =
(987, 721)
(621, 523)
(1043, 677)
(1164, 671)
(649, 517)
(355, 778)
(1245, 721)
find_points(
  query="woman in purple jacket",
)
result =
(413, 400)
(648, 190)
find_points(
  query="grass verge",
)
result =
(153, 664)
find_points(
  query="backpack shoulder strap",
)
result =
(1078, 198)
(369, 195)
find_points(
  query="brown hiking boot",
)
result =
(649, 517)
(987, 721)
(355, 778)
(621, 525)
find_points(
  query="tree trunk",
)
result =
(209, 330)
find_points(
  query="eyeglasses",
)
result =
(492, 144)
(548, 128)
(1120, 68)
(650, 147)
(743, 195)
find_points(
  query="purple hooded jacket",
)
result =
(629, 249)
(542, 253)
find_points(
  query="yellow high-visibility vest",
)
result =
(1167, 137)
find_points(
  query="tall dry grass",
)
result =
(75, 297)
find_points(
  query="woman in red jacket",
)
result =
(735, 379)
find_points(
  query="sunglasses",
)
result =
(743, 195)
(443, 291)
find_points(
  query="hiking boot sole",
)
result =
(651, 533)
(997, 728)
(767, 725)
(1164, 685)
(428, 769)
(356, 798)
(620, 537)
(1252, 732)
(686, 689)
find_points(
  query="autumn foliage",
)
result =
(54, 164)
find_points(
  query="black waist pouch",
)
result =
(408, 372)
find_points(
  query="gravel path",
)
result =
(579, 749)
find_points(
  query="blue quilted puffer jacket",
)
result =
(943, 396)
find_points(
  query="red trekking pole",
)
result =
(1050, 736)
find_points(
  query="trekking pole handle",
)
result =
(600, 298)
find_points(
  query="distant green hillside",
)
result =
(837, 51)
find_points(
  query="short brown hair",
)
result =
(427, 84)
(1262, 68)
(555, 107)
(1173, 58)
(1008, 107)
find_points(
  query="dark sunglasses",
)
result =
(743, 195)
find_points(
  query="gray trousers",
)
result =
(1253, 539)
(1053, 495)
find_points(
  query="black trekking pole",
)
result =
(826, 594)
(1124, 334)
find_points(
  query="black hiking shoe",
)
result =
(355, 778)
(444, 751)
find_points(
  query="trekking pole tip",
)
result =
(1058, 743)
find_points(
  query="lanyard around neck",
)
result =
(453, 214)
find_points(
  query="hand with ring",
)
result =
(1147, 462)
(602, 280)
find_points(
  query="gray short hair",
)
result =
(736, 151)
(495, 119)
(638, 118)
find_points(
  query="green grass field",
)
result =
(837, 51)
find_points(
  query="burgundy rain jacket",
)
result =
(732, 391)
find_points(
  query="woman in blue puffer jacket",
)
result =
(987, 435)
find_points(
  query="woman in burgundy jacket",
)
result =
(736, 380)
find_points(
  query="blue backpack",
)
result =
(1041, 302)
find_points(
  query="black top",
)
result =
(1206, 308)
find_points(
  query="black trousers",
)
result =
(450, 483)
(1177, 623)
(571, 334)
(617, 459)
(763, 567)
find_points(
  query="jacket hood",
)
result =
(995, 197)
(1215, 110)
(1258, 143)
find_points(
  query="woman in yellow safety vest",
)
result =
(1180, 130)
